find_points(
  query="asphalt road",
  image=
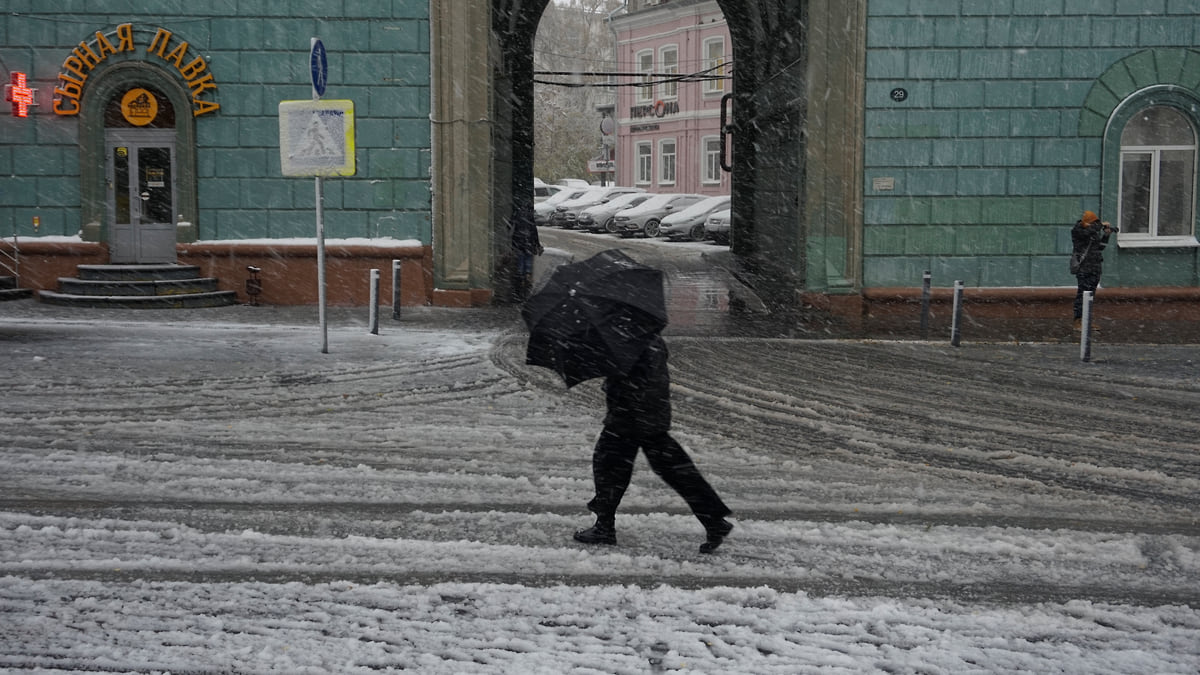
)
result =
(123, 416)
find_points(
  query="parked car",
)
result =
(644, 218)
(600, 218)
(543, 209)
(574, 183)
(689, 223)
(718, 225)
(566, 213)
(541, 191)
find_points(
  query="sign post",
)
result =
(320, 70)
(316, 138)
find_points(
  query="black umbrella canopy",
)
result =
(594, 318)
(610, 275)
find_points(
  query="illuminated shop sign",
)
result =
(19, 93)
(139, 107)
(657, 109)
(89, 55)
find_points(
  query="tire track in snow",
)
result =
(781, 535)
(920, 412)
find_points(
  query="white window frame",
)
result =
(643, 153)
(1151, 238)
(710, 160)
(716, 63)
(669, 90)
(645, 93)
(667, 161)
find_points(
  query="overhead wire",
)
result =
(664, 78)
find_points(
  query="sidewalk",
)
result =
(294, 315)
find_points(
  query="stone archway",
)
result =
(797, 208)
(798, 91)
(482, 103)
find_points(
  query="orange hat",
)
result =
(1089, 217)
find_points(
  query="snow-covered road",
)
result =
(207, 495)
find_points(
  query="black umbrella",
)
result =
(594, 318)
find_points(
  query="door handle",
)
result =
(726, 132)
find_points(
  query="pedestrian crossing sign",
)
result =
(316, 138)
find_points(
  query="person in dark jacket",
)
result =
(639, 416)
(526, 244)
(1089, 236)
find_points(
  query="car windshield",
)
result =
(592, 195)
(627, 199)
(562, 196)
(657, 201)
(704, 206)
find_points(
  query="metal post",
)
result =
(320, 195)
(396, 290)
(1085, 329)
(926, 294)
(374, 320)
(956, 327)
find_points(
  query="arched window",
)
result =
(1157, 194)
(645, 61)
(668, 59)
(714, 64)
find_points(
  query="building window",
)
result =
(1158, 177)
(668, 60)
(714, 65)
(666, 162)
(644, 163)
(645, 60)
(710, 153)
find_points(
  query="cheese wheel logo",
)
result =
(139, 107)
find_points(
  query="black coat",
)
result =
(640, 402)
(525, 238)
(1093, 239)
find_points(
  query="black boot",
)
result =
(715, 530)
(603, 532)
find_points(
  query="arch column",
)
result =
(462, 121)
(797, 144)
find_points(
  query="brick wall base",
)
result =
(289, 271)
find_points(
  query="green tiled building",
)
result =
(227, 180)
(962, 137)
(991, 125)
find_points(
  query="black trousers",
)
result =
(1088, 281)
(612, 469)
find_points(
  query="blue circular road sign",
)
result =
(319, 66)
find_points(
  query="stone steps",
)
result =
(139, 287)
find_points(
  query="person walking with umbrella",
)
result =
(603, 318)
(639, 416)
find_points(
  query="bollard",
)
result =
(926, 293)
(374, 302)
(253, 285)
(396, 290)
(956, 326)
(1085, 329)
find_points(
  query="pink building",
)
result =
(668, 133)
